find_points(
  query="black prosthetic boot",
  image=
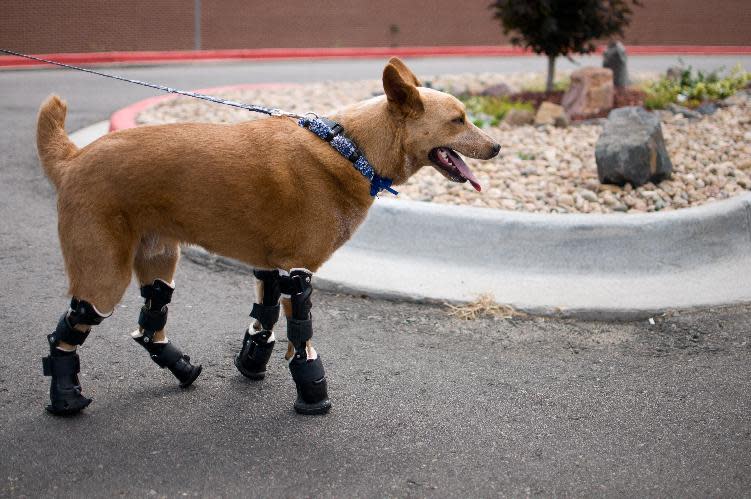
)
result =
(308, 374)
(62, 366)
(153, 318)
(256, 349)
(255, 354)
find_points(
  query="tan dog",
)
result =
(268, 192)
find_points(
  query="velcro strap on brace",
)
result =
(152, 320)
(66, 333)
(267, 315)
(298, 332)
(167, 354)
(61, 366)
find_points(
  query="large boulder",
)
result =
(499, 90)
(519, 117)
(631, 148)
(591, 92)
(614, 58)
(551, 114)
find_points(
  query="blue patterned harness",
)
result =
(333, 133)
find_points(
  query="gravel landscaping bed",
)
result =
(540, 169)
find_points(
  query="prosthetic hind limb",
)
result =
(257, 347)
(153, 318)
(63, 366)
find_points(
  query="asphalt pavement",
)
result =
(424, 404)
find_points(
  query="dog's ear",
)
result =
(400, 85)
(407, 74)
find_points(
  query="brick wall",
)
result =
(103, 25)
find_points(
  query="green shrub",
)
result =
(489, 111)
(693, 88)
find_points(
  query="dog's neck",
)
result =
(375, 131)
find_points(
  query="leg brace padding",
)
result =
(61, 366)
(153, 316)
(81, 312)
(298, 332)
(267, 315)
(271, 286)
(300, 326)
(267, 312)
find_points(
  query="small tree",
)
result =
(561, 27)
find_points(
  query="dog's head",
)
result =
(433, 128)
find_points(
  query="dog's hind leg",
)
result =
(305, 364)
(258, 345)
(154, 265)
(98, 267)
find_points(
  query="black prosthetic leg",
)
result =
(153, 318)
(256, 349)
(308, 374)
(62, 366)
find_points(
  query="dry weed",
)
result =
(484, 306)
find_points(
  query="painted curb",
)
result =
(188, 56)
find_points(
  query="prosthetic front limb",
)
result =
(63, 366)
(308, 373)
(153, 318)
(257, 347)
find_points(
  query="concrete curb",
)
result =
(587, 266)
(190, 56)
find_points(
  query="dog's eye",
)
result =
(458, 121)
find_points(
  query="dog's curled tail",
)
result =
(53, 144)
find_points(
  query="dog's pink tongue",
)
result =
(465, 171)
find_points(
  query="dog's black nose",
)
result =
(496, 149)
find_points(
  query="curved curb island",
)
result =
(613, 266)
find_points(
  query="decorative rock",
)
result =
(548, 113)
(588, 195)
(615, 59)
(591, 92)
(519, 117)
(561, 121)
(676, 109)
(707, 108)
(631, 148)
(566, 200)
(498, 90)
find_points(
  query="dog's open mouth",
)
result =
(452, 166)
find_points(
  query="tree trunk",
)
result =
(551, 73)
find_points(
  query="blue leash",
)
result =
(343, 144)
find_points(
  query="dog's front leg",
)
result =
(258, 345)
(304, 362)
